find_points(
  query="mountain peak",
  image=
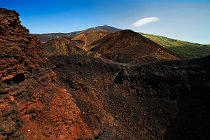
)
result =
(104, 28)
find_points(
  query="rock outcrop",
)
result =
(32, 106)
(20, 53)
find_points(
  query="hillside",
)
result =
(182, 48)
(185, 49)
(127, 46)
(62, 46)
(89, 37)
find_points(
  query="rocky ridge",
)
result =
(30, 101)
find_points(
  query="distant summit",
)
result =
(104, 28)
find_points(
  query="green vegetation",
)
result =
(182, 48)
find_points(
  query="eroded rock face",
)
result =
(20, 55)
(19, 52)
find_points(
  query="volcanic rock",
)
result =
(32, 106)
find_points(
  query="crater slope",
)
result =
(129, 47)
(87, 38)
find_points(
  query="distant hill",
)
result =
(61, 46)
(127, 46)
(182, 48)
(45, 37)
(88, 37)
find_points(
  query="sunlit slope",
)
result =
(182, 48)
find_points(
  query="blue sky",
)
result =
(180, 19)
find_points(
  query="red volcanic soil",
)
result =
(89, 37)
(127, 46)
(32, 106)
(81, 97)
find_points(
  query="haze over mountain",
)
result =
(45, 37)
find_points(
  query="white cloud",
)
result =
(145, 21)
